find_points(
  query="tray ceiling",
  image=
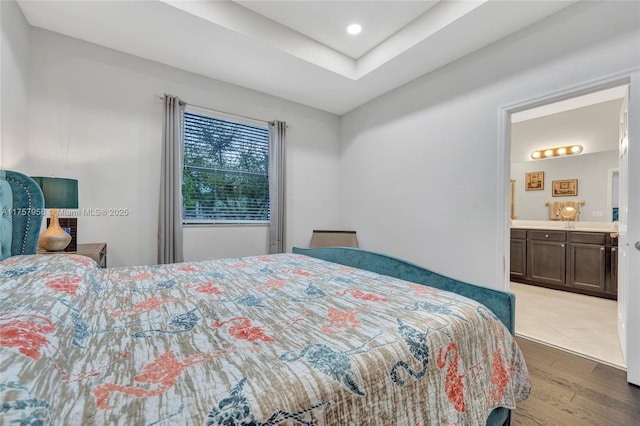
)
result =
(297, 50)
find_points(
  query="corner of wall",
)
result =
(14, 73)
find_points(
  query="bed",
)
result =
(304, 338)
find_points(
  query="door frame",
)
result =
(629, 77)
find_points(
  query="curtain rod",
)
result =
(222, 112)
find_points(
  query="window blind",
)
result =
(225, 177)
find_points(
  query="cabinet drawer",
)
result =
(519, 234)
(588, 237)
(547, 235)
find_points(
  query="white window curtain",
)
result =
(170, 215)
(277, 130)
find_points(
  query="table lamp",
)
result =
(58, 193)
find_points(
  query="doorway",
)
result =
(582, 324)
(630, 319)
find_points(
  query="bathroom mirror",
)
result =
(593, 126)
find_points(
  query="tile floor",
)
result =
(581, 324)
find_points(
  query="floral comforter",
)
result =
(269, 340)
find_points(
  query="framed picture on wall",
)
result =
(534, 181)
(564, 188)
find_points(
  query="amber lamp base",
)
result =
(54, 238)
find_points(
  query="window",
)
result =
(226, 169)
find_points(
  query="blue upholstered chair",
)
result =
(22, 207)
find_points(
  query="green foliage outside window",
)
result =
(225, 176)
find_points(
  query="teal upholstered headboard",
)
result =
(21, 216)
(501, 303)
(6, 222)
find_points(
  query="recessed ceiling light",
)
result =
(354, 29)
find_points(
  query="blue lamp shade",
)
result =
(58, 193)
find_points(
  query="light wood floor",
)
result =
(570, 390)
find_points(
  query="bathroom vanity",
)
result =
(581, 260)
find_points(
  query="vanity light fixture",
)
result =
(354, 29)
(556, 152)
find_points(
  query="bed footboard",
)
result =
(501, 303)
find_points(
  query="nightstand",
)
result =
(96, 251)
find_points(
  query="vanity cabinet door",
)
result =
(518, 254)
(613, 286)
(588, 261)
(546, 255)
(587, 266)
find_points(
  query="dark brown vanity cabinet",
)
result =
(581, 262)
(546, 256)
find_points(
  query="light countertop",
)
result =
(561, 226)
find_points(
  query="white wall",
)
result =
(14, 60)
(420, 164)
(95, 114)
